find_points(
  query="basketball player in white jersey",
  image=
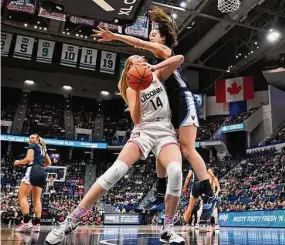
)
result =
(154, 132)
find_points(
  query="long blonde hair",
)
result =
(41, 142)
(123, 84)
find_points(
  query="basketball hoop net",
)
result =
(227, 6)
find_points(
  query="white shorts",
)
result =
(189, 111)
(27, 176)
(153, 136)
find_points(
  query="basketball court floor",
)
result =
(133, 235)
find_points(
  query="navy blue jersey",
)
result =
(39, 154)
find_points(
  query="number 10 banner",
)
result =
(108, 62)
(69, 55)
(45, 51)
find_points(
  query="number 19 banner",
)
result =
(45, 51)
(108, 62)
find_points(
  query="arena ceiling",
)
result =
(226, 44)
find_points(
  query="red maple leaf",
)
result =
(234, 89)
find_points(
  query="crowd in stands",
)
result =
(241, 117)
(209, 126)
(9, 101)
(280, 136)
(84, 112)
(45, 115)
(256, 184)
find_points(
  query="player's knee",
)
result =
(187, 149)
(113, 175)
(174, 185)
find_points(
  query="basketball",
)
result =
(139, 77)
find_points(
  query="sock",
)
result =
(36, 220)
(168, 221)
(26, 218)
(161, 185)
(206, 188)
(78, 213)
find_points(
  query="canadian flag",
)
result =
(234, 89)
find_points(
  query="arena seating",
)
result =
(257, 183)
(84, 112)
(10, 98)
(45, 115)
(280, 137)
(240, 118)
(209, 126)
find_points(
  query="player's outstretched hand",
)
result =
(16, 163)
(151, 67)
(104, 35)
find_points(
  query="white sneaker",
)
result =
(25, 227)
(58, 234)
(169, 235)
(217, 227)
(197, 226)
(36, 228)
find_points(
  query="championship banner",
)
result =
(69, 55)
(88, 59)
(5, 43)
(140, 28)
(54, 16)
(24, 47)
(45, 51)
(28, 6)
(108, 62)
(81, 20)
(111, 27)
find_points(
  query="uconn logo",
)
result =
(145, 97)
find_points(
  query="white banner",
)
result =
(108, 62)
(69, 55)
(88, 59)
(45, 51)
(5, 43)
(24, 47)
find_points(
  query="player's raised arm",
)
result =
(157, 49)
(166, 68)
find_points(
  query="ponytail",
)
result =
(123, 84)
(42, 143)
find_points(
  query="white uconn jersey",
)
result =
(154, 102)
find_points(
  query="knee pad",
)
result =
(113, 175)
(174, 185)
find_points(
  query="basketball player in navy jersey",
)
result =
(154, 132)
(182, 101)
(33, 181)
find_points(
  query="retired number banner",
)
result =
(108, 62)
(28, 6)
(69, 55)
(24, 47)
(5, 43)
(88, 59)
(45, 51)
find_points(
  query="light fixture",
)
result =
(189, 27)
(63, 32)
(67, 29)
(81, 35)
(79, 30)
(85, 36)
(257, 47)
(45, 28)
(105, 93)
(38, 22)
(25, 25)
(239, 54)
(273, 35)
(255, 43)
(174, 15)
(228, 70)
(10, 17)
(77, 34)
(35, 27)
(236, 56)
(29, 82)
(183, 4)
(251, 51)
(68, 33)
(67, 87)
(40, 28)
(94, 38)
(59, 8)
